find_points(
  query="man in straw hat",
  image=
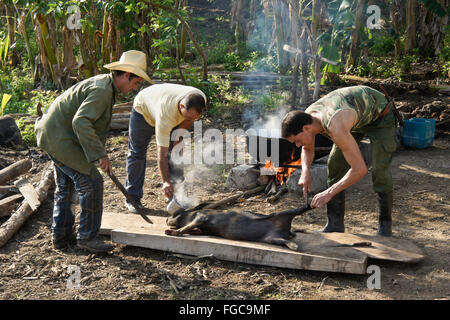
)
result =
(73, 132)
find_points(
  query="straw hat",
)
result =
(131, 61)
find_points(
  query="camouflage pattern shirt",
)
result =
(367, 102)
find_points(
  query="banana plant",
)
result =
(4, 47)
(5, 99)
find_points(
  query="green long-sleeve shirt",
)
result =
(75, 127)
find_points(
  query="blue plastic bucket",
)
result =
(418, 133)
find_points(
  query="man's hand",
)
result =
(305, 181)
(105, 165)
(321, 199)
(168, 189)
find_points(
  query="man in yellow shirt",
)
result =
(157, 110)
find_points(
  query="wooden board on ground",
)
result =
(319, 252)
(29, 193)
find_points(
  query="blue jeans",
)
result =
(139, 135)
(90, 195)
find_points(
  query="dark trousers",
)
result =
(90, 195)
(382, 140)
(139, 136)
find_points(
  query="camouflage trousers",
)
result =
(382, 140)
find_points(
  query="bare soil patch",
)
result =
(31, 269)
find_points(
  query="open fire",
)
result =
(283, 172)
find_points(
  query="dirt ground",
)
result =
(31, 269)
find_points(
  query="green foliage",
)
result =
(4, 46)
(378, 68)
(27, 132)
(222, 96)
(18, 83)
(45, 98)
(233, 62)
(270, 100)
(217, 52)
(382, 45)
(444, 55)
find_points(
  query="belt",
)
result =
(385, 111)
(391, 106)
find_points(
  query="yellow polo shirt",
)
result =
(158, 104)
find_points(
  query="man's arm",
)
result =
(307, 157)
(186, 124)
(83, 121)
(163, 165)
(339, 130)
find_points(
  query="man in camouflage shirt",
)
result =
(346, 116)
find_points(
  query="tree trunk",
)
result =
(69, 60)
(105, 38)
(305, 66)
(45, 74)
(11, 22)
(280, 35)
(294, 13)
(354, 48)
(87, 68)
(395, 16)
(410, 34)
(431, 30)
(23, 31)
(238, 23)
(49, 50)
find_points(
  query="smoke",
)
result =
(264, 124)
(208, 158)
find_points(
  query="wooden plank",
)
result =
(132, 230)
(322, 244)
(383, 248)
(28, 192)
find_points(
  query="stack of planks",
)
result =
(21, 189)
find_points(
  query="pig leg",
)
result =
(283, 242)
(198, 221)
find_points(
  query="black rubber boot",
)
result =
(385, 201)
(335, 213)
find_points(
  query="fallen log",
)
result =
(278, 195)
(18, 218)
(119, 116)
(14, 170)
(123, 107)
(234, 198)
(6, 189)
(119, 124)
(6, 204)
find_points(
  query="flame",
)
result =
(282, 173)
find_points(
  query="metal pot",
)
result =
(174, 206)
